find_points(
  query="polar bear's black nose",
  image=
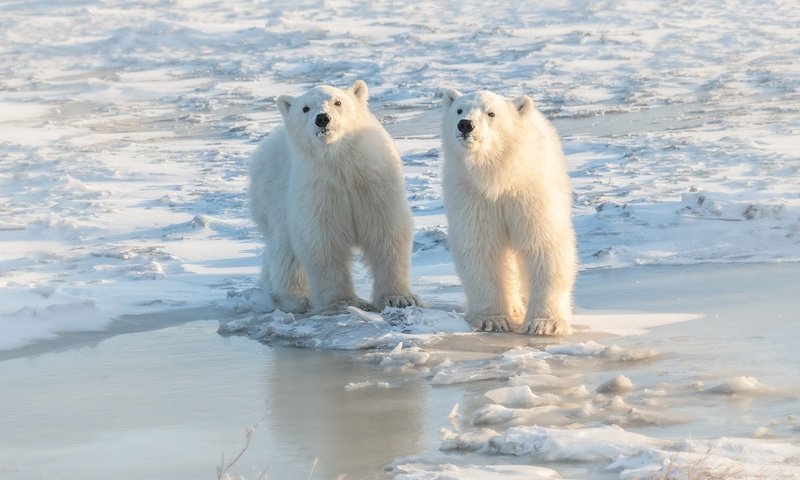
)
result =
(322, 120)
(465, 126)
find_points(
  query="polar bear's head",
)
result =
(483, 122)
(324, 114)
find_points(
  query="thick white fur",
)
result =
(316, 194)
(508, 201)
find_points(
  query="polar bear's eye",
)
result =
(491, 114)
(459, 111)
(338, 103)
(305, 109)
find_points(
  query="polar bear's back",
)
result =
(543, 137)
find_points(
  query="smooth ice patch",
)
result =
(630, 323)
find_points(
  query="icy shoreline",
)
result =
(675, 396)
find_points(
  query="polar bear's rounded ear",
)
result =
(284, 104)
(449, 96)
(524, 105)
(359, 90)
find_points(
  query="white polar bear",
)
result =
(328, 181)
(509, 208)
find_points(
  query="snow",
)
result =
(618, 384)
(741, 385)
(453, 472)
(125, 129)
(636, 456)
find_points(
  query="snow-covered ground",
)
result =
(125, 128)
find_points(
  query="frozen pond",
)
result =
(166, 403)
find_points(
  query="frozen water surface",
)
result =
(717, 394)
(125, 129)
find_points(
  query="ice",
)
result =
(741, 386)
(454, 472)
(618, 384)
(729, 458)
(594, 349)
(589, 348)
(399, 357)
(506, 366)
(581, 445)
(355, 330)
(520, 396)
(473, 440)
(500, 415)
(124, 137)
(359, 385)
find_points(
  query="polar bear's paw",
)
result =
(491, 323)
(292, 303)
(546, 326)
(341, 306)
(400, 301)
(360, 303)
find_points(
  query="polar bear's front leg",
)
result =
(330, 283)
(481, 265)
(385, 239)
(390, 268)
(551, 274)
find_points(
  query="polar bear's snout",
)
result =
(465, 126)
(324, 125)
(322, 120)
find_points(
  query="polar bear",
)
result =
(508, 202)
(328, 181)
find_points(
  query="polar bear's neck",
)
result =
(319, 153)
(496, 171)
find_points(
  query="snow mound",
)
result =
(741, 386)
(580, 445)
(499, 415)
(519, 396)
(738, 458)
(594, 349)
(617, 385)
(636, 456)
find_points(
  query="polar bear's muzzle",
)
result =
(466, 131)
(323, 122)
